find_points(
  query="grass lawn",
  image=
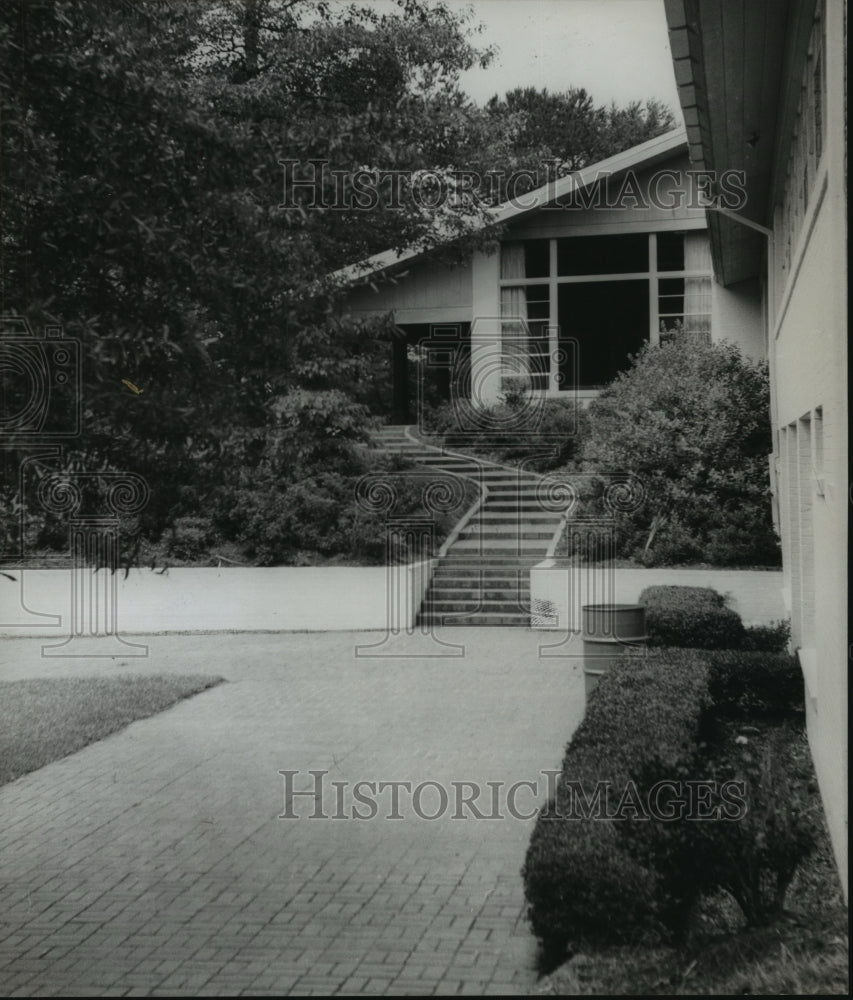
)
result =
(45, 719)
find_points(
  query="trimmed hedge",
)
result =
(596, 872)
(583, 878)
(767, 638)
(748, 683)
(690, 617)
(671, 595)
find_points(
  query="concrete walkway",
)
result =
(155, 861)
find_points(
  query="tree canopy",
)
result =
(146, 209)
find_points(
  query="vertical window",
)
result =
(525, 313)
(805, 493)
(684, 303)
(527, 259)
(817, 450)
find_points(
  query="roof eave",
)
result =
(645, 154)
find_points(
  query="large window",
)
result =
(608, 294)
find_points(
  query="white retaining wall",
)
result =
(756, 595)
(338, 598)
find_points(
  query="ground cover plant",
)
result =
(46, 718)
(539, 438)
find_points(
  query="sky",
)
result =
(618, 50)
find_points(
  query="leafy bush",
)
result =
(541, 439)
(754, 683)
(671, 595)
(675, 715)
(190, 537)
(692, 422)
(768, 638)
(584, 879)
(694, 617)
(288, 523)
(755, 857)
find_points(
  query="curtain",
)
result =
(512, 260)
(697, 291)
(514, 350)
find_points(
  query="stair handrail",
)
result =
(558, 531)
(475, 506)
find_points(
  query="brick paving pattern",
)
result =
(154, 863)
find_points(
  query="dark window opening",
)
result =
(610, 322)
(579, 255)
(537, 258)
(670, 251)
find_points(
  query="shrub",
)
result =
(189, 538)
(768, 638)
(541, 439)
(584, 876)
(668, 595)
(693, 617)
(754, 683)
(691, 421)
(286, 523)
(755, 857)
(606, 878)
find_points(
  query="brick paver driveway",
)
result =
(155, 861)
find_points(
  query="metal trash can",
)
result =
(609, 631)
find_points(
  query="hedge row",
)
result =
(614, 876)
(581, 880)
(697, 617)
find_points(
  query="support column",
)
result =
(486, 347)
(400, 409)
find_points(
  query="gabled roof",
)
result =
(648, 153)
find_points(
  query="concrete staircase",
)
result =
(483, 573)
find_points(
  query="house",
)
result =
(762, 84)
(589, 268)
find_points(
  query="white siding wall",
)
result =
(808, 343)
(427, 293)
(737, 317)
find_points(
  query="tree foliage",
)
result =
(146, 209)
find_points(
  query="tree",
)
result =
(691, 420)
(554, 134)
(144, 210)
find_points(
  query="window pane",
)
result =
(536, 258)
(670, 251)
(602, 255)
(527, 259)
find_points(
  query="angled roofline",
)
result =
(645, 154)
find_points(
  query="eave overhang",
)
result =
(640, 157)
(738, 67)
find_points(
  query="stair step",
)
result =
(503, 531)
(486, 513)
(473, 621)
(509, 545)
(519, 598)
(505, 561)
(484, 607)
